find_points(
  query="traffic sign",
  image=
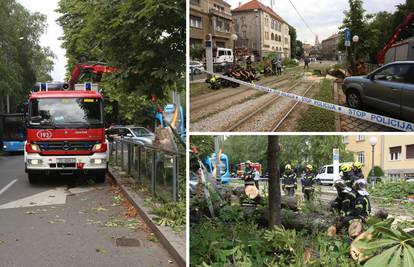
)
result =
(348, 37)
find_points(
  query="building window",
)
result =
(273, 36)
(361, 157)
(280, 38)
(219, 8)
(226, 27)
(244, 34)
(410, 152)
(195, 2)
(196, 22)
(395, 153)
(280, 27)
(221, 44)
(273, 24)
(345, 139)
(219, 26)
(360, 137)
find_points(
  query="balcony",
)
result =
(219, 13)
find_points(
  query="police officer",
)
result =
(348, 174)
(357, 168)
(345, 199)
(289, 181)
(308, 180)
(361, 208)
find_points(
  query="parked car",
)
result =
(196, 67)
(325, 175)
(389, 88)
(139, 134)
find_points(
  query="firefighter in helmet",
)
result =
(357, 168)
(308, 180)
(347, 174)
(361, 208)
(249, 174)
(289, 181)
(342, 204)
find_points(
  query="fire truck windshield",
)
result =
(65, 112)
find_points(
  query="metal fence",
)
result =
(156, 169)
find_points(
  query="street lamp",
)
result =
(234, 37)
(373, 141)
(355, 40)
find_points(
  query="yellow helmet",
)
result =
(309, 167)
(346, 167)
(288, 167)
(357, 165)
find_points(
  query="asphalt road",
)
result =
(66, 222)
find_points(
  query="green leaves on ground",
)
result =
(391, 247)
(170, 214)
(396, 190)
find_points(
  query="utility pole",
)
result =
(209, 54)
(218, 160)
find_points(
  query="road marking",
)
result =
(7, 186)
(55, 196)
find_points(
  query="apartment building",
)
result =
(330, 47)
(393, 153)
(261, 30)
(211, 17)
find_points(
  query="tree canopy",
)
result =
(295, 150)
(22, 60)
(145, 40)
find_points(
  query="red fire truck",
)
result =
(65, 132)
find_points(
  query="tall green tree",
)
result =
(145, 40)
(293, 41)
(22, 60)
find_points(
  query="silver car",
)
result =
(389, 88)
(138, 134)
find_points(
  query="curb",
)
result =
(166, 237)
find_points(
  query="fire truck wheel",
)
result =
(100, 176)
(33, 177)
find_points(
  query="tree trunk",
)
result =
(274, 181)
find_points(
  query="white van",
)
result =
(223, 55)
(326, 174)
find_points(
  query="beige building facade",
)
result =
(261, 30)
(211, 17)
(330, 47)
(393, 153)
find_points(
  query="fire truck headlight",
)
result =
(35, 147)
(35, 161)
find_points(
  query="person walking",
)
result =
(307, 60)
(279, 67)
(308, 180)
(289, 183)
(273, 66)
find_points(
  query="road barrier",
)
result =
(156, 169)
(360, 114)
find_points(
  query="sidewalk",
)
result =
(172, 241)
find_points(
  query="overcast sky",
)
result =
(54, 31)
(323, 16)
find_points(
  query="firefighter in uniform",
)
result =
(361, 208)
(249, 174)
(308, 180)
(348, 174)
(357, 168)
(289, 181)
(345, 199)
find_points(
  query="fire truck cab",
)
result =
(65, 132)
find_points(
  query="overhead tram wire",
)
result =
(304, 21)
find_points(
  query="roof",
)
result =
(60, 94)
(255, 4)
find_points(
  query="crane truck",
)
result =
(65, 127)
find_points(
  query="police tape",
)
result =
(356, 113)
